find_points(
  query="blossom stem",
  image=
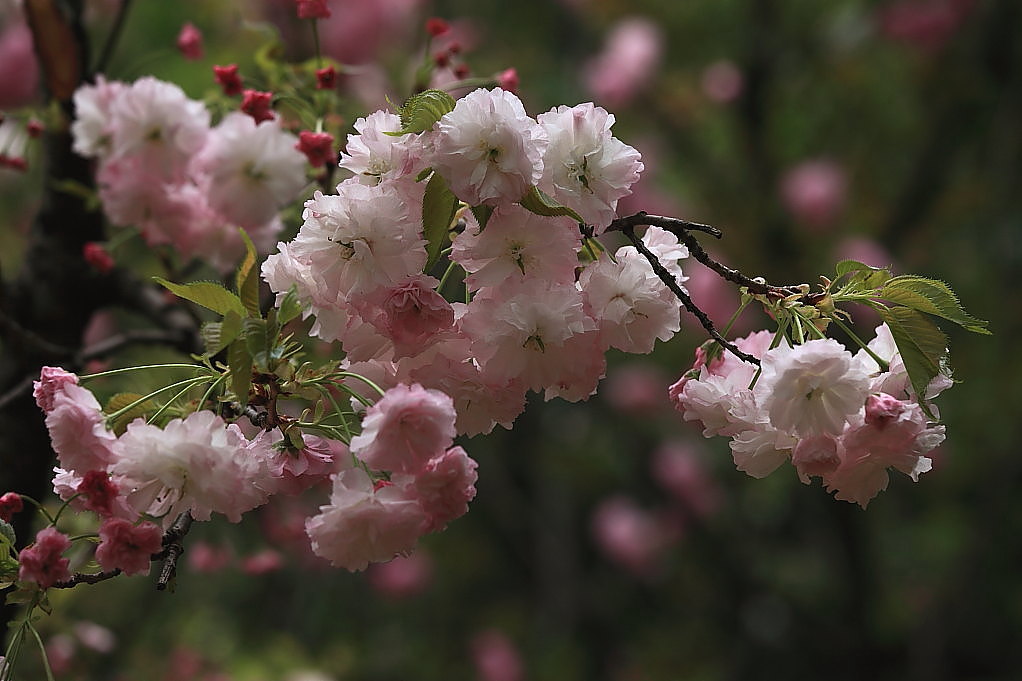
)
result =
(42, 651)
(446, 276)
(882, 363)
(40, 507)
(125, 409)
(122, 370)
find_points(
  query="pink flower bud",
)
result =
(313, 9)
(97, 257)
(508, 80)
(228, 79)
(883, 409)
(257, 105)
(436, 26)
(10, 503)
(189, 42)
(98, 492)
(318, 147)
(326, 78)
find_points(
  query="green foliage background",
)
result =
(781, 581)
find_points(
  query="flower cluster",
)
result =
(402, 479)
(536, 315)
(837, 416)
(164, 170)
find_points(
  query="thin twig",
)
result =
(672, 283)
(113, 38)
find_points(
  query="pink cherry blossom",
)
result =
(42, 561)
(812, 388)
(632, 306)
(407, 427)
(359, 239)
(538, 333)
(228, 79)
(254, 169)
(77, 430)
(51, 381)
(444, 487)
(518, 245)
(363, 525)
(126, 546)
(585, 166)
(410, 313)
(196, 464)
(814, 192)
(374, 156)
(488, 149)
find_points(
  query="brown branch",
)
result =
(84, 578)
(173, 548)
(672, 283)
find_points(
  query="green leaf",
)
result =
(257, 340)
(7, 533)
(932, 297)
(864, 277)
(240, 362)
(482, 215)
(208, 294)
(247, 279)
(423, 110)
(122, 400)
(439, 205)
(289, 307)
(537, 202)
(218, 335)
(922, 345)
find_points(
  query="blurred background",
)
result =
(608, 540)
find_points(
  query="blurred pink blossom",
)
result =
(925, 24)
(189, 42)
(814, 192)
(636, 389)
(359, 29)
(722, 81)
(496, 657)
(19, 71)
(263, 562)
(204, 557)
(629, 535)
(679, 468)
(402, 577)
(629, 59)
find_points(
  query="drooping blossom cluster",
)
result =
(834, 415)
(402, 478)
(163, 169)
(532, 321)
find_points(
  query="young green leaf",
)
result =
(922, 345)
(289, 306)
(864, 277)
(423, 110)
(932, 297)
(247, 278)
(240, 362)
(122, 400)
(218, 335)
(258, 341)
(482, 215)
(540, 203)
(439, 204)
(208, 294)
